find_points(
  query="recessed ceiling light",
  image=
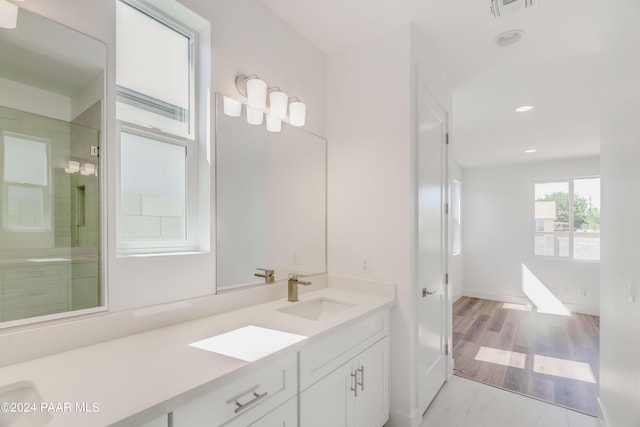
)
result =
(529, 151)
(524, 108)
(509, 37)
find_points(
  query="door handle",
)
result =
(426, 293)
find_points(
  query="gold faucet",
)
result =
(293, 283)
(269, 275)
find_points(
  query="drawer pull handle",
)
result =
(243, 406)
(354, 389)
(361, 383)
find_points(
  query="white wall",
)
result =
(371, 183)
(620, 265)
(498, 231)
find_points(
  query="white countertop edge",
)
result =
(53, 373)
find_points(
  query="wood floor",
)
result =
(549, 357)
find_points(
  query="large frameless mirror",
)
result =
(270, 201)
(52, 82)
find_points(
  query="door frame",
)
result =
(421, 81)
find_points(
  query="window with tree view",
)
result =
(567, 219)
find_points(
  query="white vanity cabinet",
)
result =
(246, 401)
(344, 377)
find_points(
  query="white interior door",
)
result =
(431, 248)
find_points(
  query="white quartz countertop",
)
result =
(154, 372)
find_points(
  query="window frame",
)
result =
(190, 141)
(571, 228)
(192, 35)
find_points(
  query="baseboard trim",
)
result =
(517, 299)
(456, 296)
(397, 419)
(602, 415)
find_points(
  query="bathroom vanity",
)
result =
(324, 365)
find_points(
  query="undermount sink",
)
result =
(316, 309)
(26, 410)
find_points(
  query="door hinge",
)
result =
(447, 138)
(446, 208)
(446, 278)
(446, 349)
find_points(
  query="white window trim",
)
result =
(194, 241)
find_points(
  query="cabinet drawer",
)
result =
(283, 416)
(244, 400)
(322, 357)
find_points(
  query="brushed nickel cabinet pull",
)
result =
(354, 389)
(243, 406)
(361, 383)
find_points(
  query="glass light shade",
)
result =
(274, 124)
(278, 102)
(257, 93)
(297, 113)
(88, 169)
(232, 108)
(8, 14)
(254, 117)
(73, 167)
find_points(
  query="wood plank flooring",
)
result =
(549, 357)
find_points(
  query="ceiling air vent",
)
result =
(507, 7)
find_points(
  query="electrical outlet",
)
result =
(366, 265)
(294, 258)
(582, 292)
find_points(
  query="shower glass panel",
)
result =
(50, 223)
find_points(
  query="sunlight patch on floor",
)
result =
(541, 297)
(501, 357)
(569, 369)
(521, 307)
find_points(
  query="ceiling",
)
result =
(554, 68)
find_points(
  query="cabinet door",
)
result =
(372, 403)
(328, 402)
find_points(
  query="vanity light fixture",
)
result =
(278, 102)
(232, 108)
(255, 90)
(8, 14)
(88, 169)
(254, 116)
(72, 167)
(274, 124)
(297, 112)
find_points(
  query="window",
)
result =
(158, 139)
(567, 219)
(26, 183)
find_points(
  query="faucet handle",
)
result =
(269, 275)
(296, 278)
